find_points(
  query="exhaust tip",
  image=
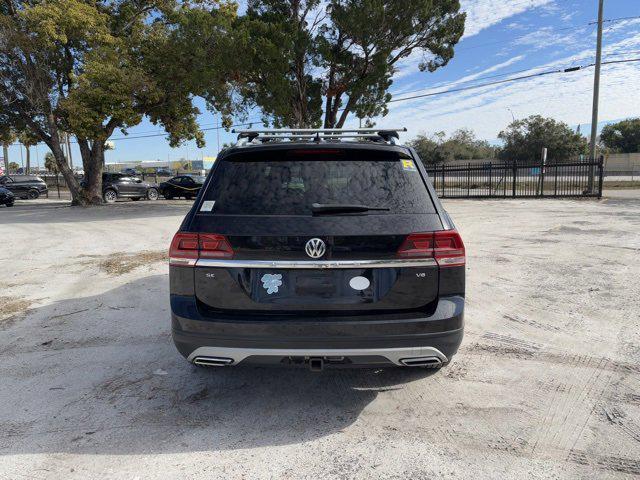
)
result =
(212, 361)
(428, 362)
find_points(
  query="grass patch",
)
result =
(620, 185)
(121, 263)
(12, 306)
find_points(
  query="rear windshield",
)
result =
(288, 183)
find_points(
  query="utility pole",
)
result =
(69, 151)
(217, 134)
(596, 95)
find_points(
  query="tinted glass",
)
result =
(286, 184)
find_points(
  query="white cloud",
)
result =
(467, 78)
(566, 97)
(483, 14)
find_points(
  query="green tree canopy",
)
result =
(461, 145)
(302, 59)
(622, 137)
(89, 67)
(524, 140)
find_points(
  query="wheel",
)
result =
(33, 194)
(110, 196)
(9, 204)
(152, 194)
(135, 199)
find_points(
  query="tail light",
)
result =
(445, 246)
(214, 246)
(187, 248)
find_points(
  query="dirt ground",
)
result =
(545, 385)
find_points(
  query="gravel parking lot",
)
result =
(546, 384)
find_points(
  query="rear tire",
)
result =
(152, 194)
(110, 196)
(9, 204)
(33, 194)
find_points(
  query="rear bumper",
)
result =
(380, 339)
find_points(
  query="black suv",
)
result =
(318, 253)
(24, 186)
(6, 197)
(119, 185)
(186, 186)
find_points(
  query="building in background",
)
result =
(199, 166)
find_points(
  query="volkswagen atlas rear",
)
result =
(332, 254)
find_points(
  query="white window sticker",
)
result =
(207, 205)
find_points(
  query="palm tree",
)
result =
(28, 139)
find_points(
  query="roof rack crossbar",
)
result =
(318, 134)
(321, 130)
(307, 135)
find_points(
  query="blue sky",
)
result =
(501, 37)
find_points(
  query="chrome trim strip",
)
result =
(394, 355)
(317, 264)
(182, 262)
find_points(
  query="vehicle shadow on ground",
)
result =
(40, 211)
(100, 375)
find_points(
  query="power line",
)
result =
(512, 72)
(160, 134)
(522, 77)
(619, 19)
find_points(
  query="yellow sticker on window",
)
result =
(409, 166)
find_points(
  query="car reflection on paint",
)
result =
(185, 186)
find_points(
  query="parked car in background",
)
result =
(318, 254)
(165, 172)
(186, 186)
(24, 186)
(119, 185)
(6, 197)
(130, 171)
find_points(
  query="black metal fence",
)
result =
(501, 180)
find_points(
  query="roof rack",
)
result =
(317, 135)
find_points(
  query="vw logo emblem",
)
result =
(315, 248)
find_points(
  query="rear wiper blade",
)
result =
(343, 208)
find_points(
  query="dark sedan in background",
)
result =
(186, 186)
(24, 186)
(6, 197)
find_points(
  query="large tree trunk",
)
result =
(345, 113)
(67, 173)
(28, 165)
(5, 155)
(63, 166)
(92, 162)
